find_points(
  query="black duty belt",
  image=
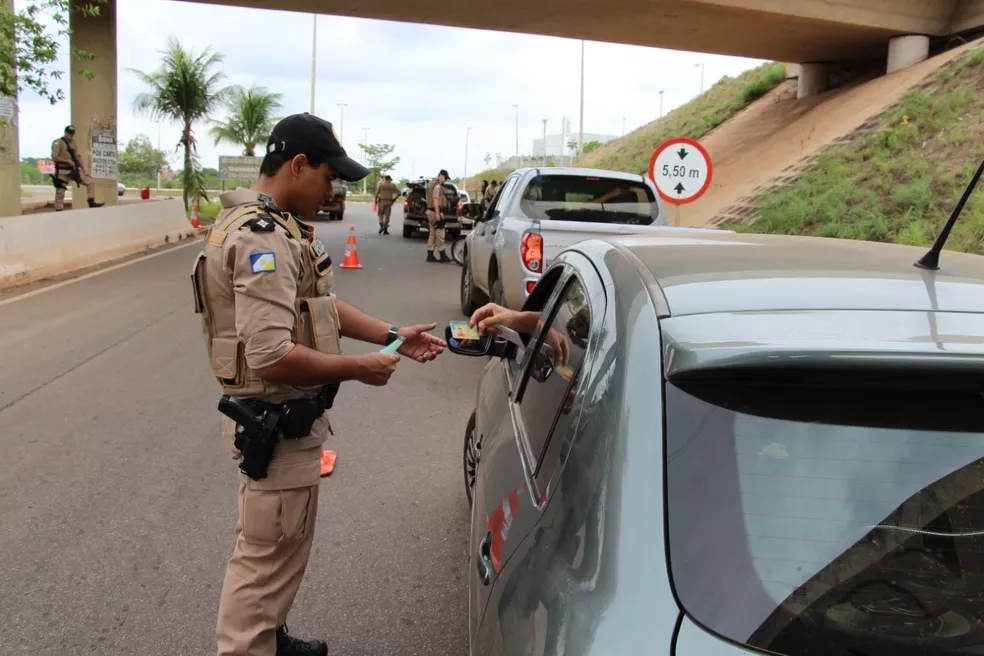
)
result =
(298, 415)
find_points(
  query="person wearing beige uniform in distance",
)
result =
(437, 202)
(68, 169)
(273, 333)
(386, 195)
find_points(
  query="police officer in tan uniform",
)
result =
(68, 168)
(386, 195)
(436, 205)
(273, 333)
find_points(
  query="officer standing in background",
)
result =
(68, 168)
(273, 335)
(436, 204)
(386, 195)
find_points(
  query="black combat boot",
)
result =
(93, 203)
(290, 646)
(430, 256)
(386, 229)
(381, 228)
(445, 258)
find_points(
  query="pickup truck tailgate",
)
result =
(558, 235)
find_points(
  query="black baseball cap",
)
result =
(307, 134)
(70, 129)
(444, 172)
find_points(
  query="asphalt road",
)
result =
(117, 502)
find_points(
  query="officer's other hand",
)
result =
(377, 368)
(419, 344)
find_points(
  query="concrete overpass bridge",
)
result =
(812, 33)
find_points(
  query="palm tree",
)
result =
(250, 118)
(184, 89)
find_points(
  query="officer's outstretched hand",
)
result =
(419, 344)
(377, 368)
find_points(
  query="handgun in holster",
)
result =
(257, 433)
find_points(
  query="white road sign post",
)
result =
(681, 169)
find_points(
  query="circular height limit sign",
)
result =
(681, 170)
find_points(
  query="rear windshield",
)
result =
(810, 521)
(589, 199)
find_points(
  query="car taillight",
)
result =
(406, 203)
(459, 209)
(532, 251)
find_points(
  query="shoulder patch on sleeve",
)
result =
(262, 223)
(262, 262)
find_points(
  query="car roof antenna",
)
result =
(931, 260)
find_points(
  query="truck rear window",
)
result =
(813, 521)
(589, 199)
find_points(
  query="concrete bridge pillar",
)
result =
(94, 100)
(812, 79)
(904, 51)
(10, 203)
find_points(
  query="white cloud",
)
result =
(418, 87)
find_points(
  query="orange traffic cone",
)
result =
(328, 459)
(351, 259)
(195, 223)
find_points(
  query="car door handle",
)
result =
(485, 559)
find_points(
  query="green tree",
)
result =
(591, 145)
(185, 89)
(29, 39)
(377, 162)
(141, 158)
(250, 120)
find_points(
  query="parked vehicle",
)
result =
(120, 189)
(335, 208)
(536, 213)
(415, 210)
(757, 444)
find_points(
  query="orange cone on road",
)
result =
(328, 462)
(351, 259)
(195, 223)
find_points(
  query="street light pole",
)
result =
(365, 143)
(544, 142)
(661, 104)
(701, 76)
(623, 126)
(464, 173)
(580, 138)
(517, 134)
(341, 123)
(314, 59)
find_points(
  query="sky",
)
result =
(416, 87)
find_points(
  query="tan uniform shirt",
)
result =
(437, 199)
(387, 192)
(261, 276)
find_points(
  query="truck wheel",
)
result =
(407, 232)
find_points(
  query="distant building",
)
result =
(558, 145)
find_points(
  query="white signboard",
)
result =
(104, 153)
(7, 109)
(239, 167)
(681, 170)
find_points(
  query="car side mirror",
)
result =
(503, 344)
(473, 348)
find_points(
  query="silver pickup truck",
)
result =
(540, 211)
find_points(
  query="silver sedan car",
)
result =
(719, 444)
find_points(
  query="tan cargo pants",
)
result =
(274, 532)
(435, 236)
(65, 179)
(383, 210)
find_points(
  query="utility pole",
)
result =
(314, 59)
(517, 134)
(365, 143)
(158, 150)
(464, 173)
(580, 139)
(661, 104)
(341, 122)
(623, 126)
(701, 76)
(544, 142)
